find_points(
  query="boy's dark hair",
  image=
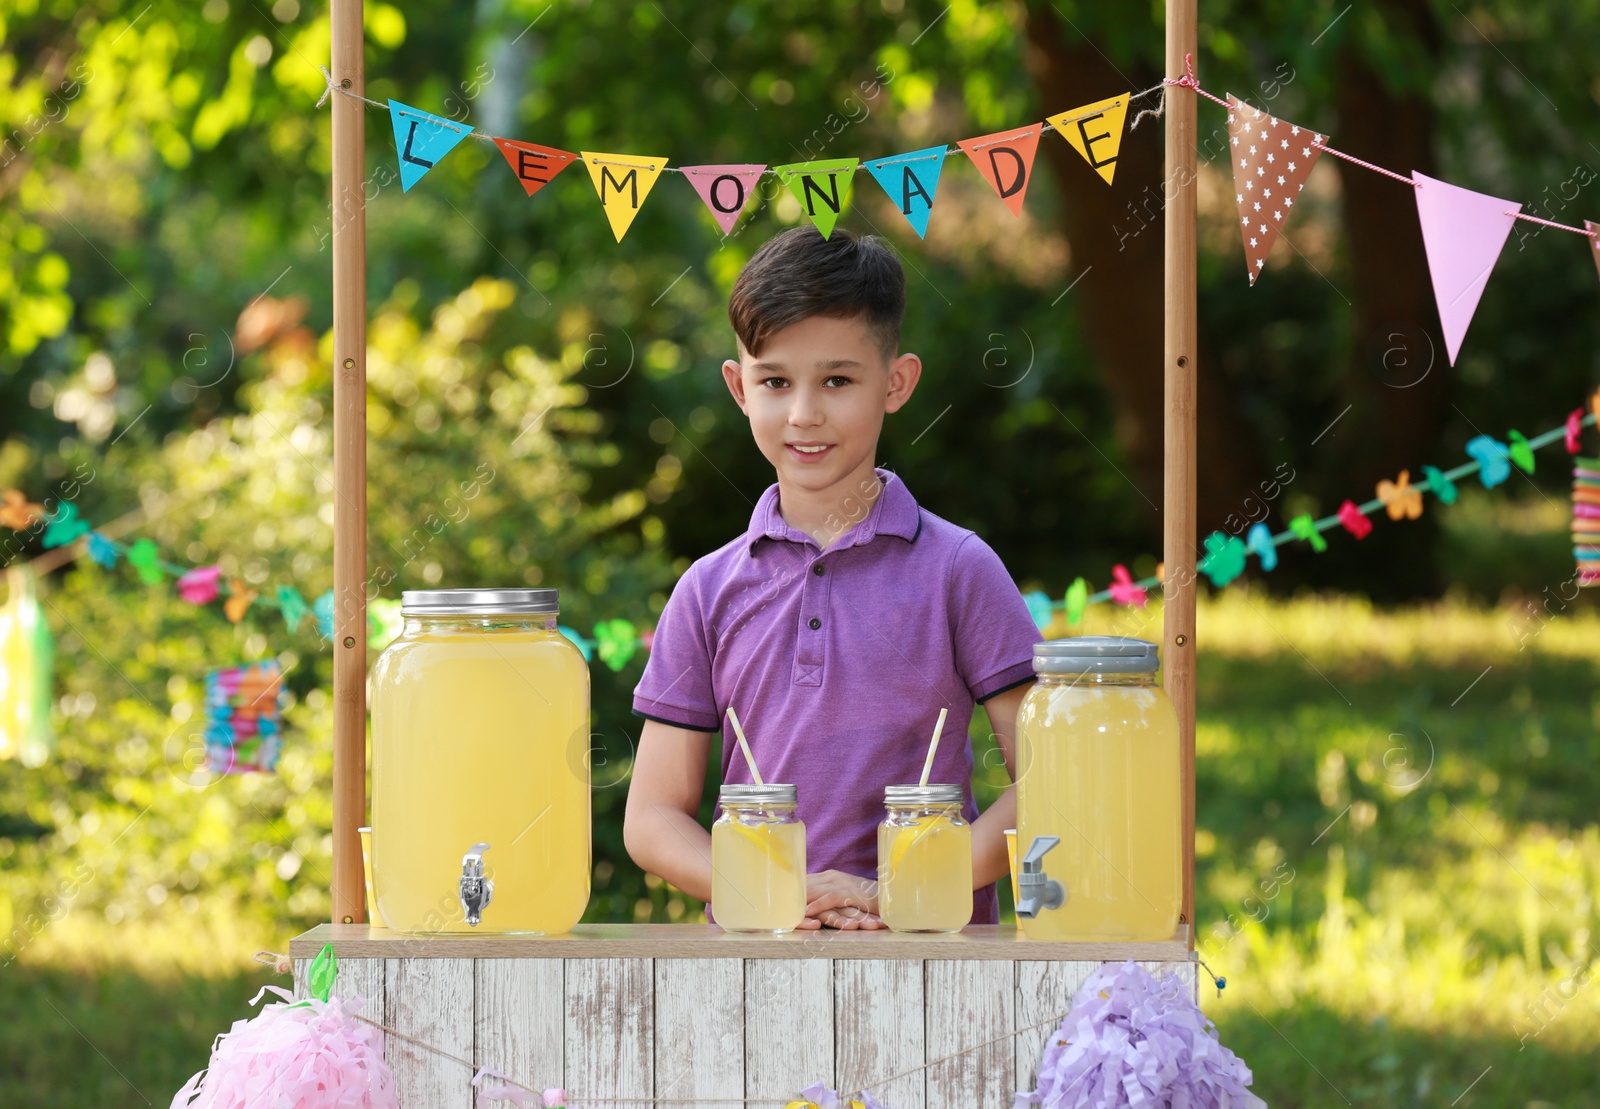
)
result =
(799, 274)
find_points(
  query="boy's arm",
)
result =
(661, 827)
(989, 862)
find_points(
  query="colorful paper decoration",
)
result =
(27, 679)
(1494, 458)
(1440, 483)
(244, 718)
(1271, 161)
(240, 598)
(1095, 131)
(1259, 542)
(65, 526)
(292, 605)
(1462, 232)
(1401, 500)
(1304, 527)
(1594, 241)
(911, 180)
(199, 586)
(145, 559)
(1586, 520)
(1224, 558)
(1354, 521)
(615, 642)
(17, 512)
(1574, 430)
(725, 189)
(102, 551)
(533, 165)
(322, 609)
(820, 1096)
(1123, 589)
(821, 187)
(421, 139)
(1076, 600)
(1519, 450)
(1005, 159)
(623, 181)
(1039, 607)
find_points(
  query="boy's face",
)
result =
(816, 397)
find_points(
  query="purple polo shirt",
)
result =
(838, 662)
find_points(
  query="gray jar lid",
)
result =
(478, 602)
(922, 795)
(1096, 654)
(769, 794)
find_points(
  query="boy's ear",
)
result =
(732, 373)
(904, 373)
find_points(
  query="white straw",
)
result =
(744, 746)
(927, 767)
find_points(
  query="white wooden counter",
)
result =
(615, 1011)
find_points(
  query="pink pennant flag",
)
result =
(1594, 240)
(1463, 233)
(724, 188)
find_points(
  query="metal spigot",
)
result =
(1036, 890)
(476, 890)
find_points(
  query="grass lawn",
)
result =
(1398, 866)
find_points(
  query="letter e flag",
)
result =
(1095, 131)
(533, 164)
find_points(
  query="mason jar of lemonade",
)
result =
(758, 860)
(480, 766)
(924, 860)
(1099, 853)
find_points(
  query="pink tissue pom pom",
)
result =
(199, 586)
(311, 1055)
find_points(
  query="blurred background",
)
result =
(1398, 861)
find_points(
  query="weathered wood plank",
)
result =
(788, 1025)
(520, 1020)
(430, 999)
(610, 1029)
(970, 1002)
(699, 1028)
(878, 1006)
(1044, 993)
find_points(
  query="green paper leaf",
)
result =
(1076, 601)
(1224, 558)
(324, 968)
(65, 526)
(1521, 453)
(1442, 486)
(1306, 528)
(145, 558)
(615, 642)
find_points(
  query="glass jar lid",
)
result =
(769, 794)
(922, 795)
(478, 602)
(1096, 654)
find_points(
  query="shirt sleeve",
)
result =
(676, 685)
(991, 627)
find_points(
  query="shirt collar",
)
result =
(895, 512)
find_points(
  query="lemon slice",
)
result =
(761, 837)
(917, 833)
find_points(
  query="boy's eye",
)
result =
(774, 382)
(840, 379)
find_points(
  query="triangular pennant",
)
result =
(1271, 161)
(911, 180)
(725, 189)
(822, 188)
(1594, 241)
(1463, 233)
(534, 165)
(1005, 159)
(623, 181)
(1095, 131)
(421, 140)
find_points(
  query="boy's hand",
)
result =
(835, 899)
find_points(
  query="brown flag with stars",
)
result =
(1271, 161)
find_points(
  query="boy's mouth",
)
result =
(808, 452)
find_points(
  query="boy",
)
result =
(846, 616)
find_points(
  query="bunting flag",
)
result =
(621, 194)
(1271, 161)
(1594, 241)
(1462, 233)
(819, 188)
(535, 166)
(1095, 131)
(911, 180)
(422, 139)
(1005, 159)
(725, 189)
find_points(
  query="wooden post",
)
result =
(1178, 491)
(349, 464)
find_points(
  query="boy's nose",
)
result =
(804, 411)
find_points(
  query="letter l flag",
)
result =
(421, 140)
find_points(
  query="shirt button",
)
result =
(815, 623)
(819, 570)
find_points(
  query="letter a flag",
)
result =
(822, 188)
(1463, 233)
(422, 139)
(911, 180)
(623, 181)
(533, 164)
(1005, 159)
(1095, 131)
(1594, 241)
(725, 189)
(1271, 161)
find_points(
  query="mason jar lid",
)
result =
(478, 602)
(922, 795)
(770, 794)
(1096, 654)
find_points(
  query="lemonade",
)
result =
(1098, 766)
(758, 860)
(480, 733)
(924, 860)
